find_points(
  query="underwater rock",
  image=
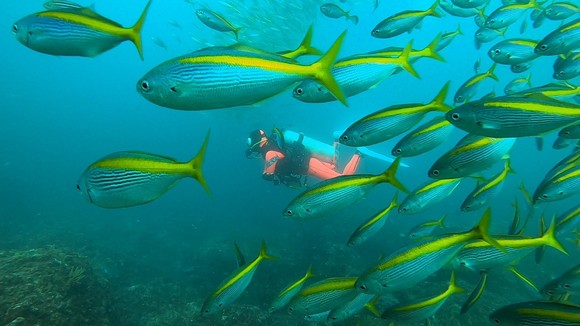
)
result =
(50, 286)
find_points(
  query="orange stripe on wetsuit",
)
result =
(316, 167)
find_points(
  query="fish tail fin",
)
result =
(306, 45)
(508, 166)
(264, 254)
(439, 101)
(323, 70)
(453, 286)
(196, 164)
(309, 274)
(389, 175)
(354, 19)
(236, 30)
(432, 47)
(394, 201)
(529, 80)
(490, 73)
(550, 238)
(459, 31)
(405, 60)
(372, 306)
(432, 11)
(441, 221)
(135, 31)
(481, 231)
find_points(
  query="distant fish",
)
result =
(323, 296)
(566, 284)
(561, 143)
(284, 297)
(447, 38)
(334, 11)
(403, 22)
(362, 300)
(508, 14)
(372, 225)
(234, 286)
(537, 313)
(520, 67)
(570, 132)
(159, 42)
(485, 192)
(425, 138)
(562, 40)
(426, 229)
(514, 116)
(74, 31)
(561, 10)
(339, 193)
(518, 85)
(391, 121)
(457, 11)
(61, 4)
(561, 185)
(427, 195)
(470, 3)
(469, 88)
(422, 309)
(126, 179)
(471, 155)
(174, 24)
(567, 66)
(485, 35)
(215, 21)
(513, 51)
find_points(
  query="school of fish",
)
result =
(229, 74)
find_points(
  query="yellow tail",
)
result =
(405, 62)
(323, 70)
(550, 238)
(389, 175)
(264, 254)
(196, 164)
(305, 47)
(453, 287)
(432, 47)
(481, 231)
(135, 31)
(439, 101)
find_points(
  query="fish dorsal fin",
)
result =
(140, 155)
(239, 255)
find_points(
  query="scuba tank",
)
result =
(318, 149)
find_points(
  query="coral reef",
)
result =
(50, 286)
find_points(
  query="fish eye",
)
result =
(455, 116)
(566, 286)
(550, 292)
(78, 187)
(308, 210)
(220, 304)
(543, 47)
(398, 151)
(561, 73)
(15, 28)
(462, 263)
(497, 321)
(491, 21)
(435, 172)
(363, 287)
(145, 86)
(206, 311)
(333, 318)
(545, 196)
(299, 91)
(290, 309)
(403, 209)
(460, 98)
(376, 31)
(289, 212)
(344, 138)
(497, 51)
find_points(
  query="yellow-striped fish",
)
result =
(234, 286)
(75, 31)
(220, 77)
(486, 191)
(323, 296)
(339, 193)
(537, 313)
(514, 116)
(284, 297)
(126, 179)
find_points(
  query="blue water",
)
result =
(60, 114)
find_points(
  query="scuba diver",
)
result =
(290, 157)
